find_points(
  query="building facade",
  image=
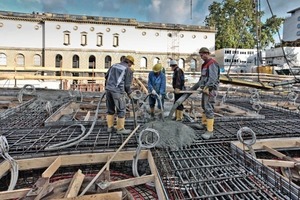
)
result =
(239, 60)
(291, 26)
(84, 47)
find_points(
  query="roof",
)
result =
(294, 10)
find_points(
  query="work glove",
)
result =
(205, 90)
(176, 91)
(154, 92)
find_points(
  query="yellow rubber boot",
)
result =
(110, 123)
(120, 126)
(179, 115)
(210, 128)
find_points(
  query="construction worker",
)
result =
(156, 87)
(209, 83)
(117, 82)
(178, 85)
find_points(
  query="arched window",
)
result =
(181, 63)
(193, 65)
(156, 60)
(168, 61)
(143, 63)
(75, 64)
(122, 58)
(20, 60)
(3, 59)
(92, 65)
(58, 64)
(107, 63)
(37, 60)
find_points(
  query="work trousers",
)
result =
(115, 102)
(208, 102)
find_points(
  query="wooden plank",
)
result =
(105, 196)
(77, 159)
(52, 168)
(4, 167)
(273, 143)
(87, 117)
(131, 182)
(14, 194)
(108, 162)
(281, 155)
(274, 152)
(75, 184)
(153, 169)
(277, 163)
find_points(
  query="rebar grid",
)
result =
(270, 112)
(28, 143)
(209, 171)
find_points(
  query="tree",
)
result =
(238, 24)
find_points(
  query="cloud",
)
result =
(56, 6)
(168, 11)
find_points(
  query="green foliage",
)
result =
(238, 24)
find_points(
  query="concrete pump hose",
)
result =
(292, 96)
(148, 138)
(246, 130)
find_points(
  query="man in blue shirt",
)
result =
(156, 88)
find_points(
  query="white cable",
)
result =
(148, 138)
(4, 148)
(48, 107)
(25, 90)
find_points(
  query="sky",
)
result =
(161, 11)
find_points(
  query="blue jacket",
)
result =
(158, 83)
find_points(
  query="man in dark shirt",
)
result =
(117, 82)
(178, 85)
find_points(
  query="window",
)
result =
(3, 60)
(156, 60)
(143, 63)
(193, 65)
(122, 58)
(75, 65)
(107, 63)
(299, 18)
(181, 63)
(92, 65)
(83, 39)
(227, 51)
(99, 39)
(298, 25)
(20, 60)
(58, 64)
(298, 33)
(37, 60)
(116, 40)
(66, 38)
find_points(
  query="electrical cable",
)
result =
(79, 138)
(4, 148)
(148, 138)
(248, 143)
